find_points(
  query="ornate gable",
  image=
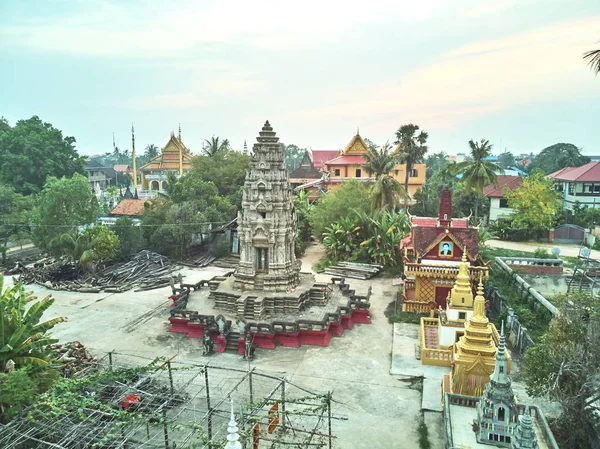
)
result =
(356, 146)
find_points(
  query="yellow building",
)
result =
(348, 165)
(174, 157)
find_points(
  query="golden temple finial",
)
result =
(357, 131)
(179, 135)
(479, 305)
(461, 294)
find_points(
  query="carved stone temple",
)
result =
(267, 221)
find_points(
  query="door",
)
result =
(441, 293)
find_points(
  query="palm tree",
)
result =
(412, 149)
(213, 146)
(477, 172)
(386, 190)
(593, 58)
(23, 339)
(151, 151)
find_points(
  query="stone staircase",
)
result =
(232, 342)
(259, 283)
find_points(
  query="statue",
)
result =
(209, 345)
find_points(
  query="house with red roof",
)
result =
(498, 203)
(578, 184)
(319, 157)
(348, 164)
(432, 255)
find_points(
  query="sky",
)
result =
(510, 71)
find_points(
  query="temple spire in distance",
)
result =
(179, 135)
(133, 160)
(233, 436)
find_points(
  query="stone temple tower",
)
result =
(267, 221)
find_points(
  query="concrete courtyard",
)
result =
(383, 410)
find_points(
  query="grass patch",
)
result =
(423, 435)
(406, 317)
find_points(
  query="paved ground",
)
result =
(565, 250)
(383, 410)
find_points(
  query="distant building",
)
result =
(129, 208)
(98, 176)
(578, 185)
(348, 164)
(319, 157)
(175, 157)
(306, 172)
(498, 203)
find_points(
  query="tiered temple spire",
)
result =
(461, 294)
(525, 437)
(233, 436)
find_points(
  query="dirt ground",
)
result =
(382, 410)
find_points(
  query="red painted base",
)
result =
(335, 329)
(265, 341)
(361, 316)
(287, 339)
(179, 325)
(241, 347)
(347, 322)
(196, 330)
(220, 342)
(315, 338)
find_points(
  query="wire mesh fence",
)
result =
(129, 401)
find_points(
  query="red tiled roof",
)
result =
(504, 181)
(122, 168)
(129, 207)
(589, 172)
(319, 157)
(353, 159)
(432, 222)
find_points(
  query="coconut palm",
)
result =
(386, 191)
(593, 58)
(478, 172)
(151, 151)
(412, 149)
(212, 146)
(23, 339)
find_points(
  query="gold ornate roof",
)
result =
(356, 146)
(169, 157)
(461, 294)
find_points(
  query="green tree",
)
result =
(151, 151)
(32, 151)
(24, 339)
(62, 206)
(593, 59)
(478, 172)
(506, 160)
(386, 191)
(563, 366)
(214, 145)
(412, 149)
(557, 156)
(17, 390)
(15, 211)
(435, 162)
(302, 208)
(293, 156)
(339, 203)
(130, 236)
(535, 203)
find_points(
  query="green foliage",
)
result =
(478, 172)
(506, 160)
(63, 206)
(33, 151)
(351, 195)
(101, 241)
(423, 435)
(535, 203)
(563, 366)
(386, 191)
(17, 390)
(436, 162)
(15, 215)
(302, 208)
(483, 235)
(558, 156)
(293, 156)
(23, 338)
(130, 236)
(214, 145)
(412, 148)
(584, 216)
(406, 317)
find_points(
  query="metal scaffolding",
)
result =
(173, 405)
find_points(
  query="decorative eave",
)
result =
(441, 237)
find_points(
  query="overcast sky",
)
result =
(505, 70)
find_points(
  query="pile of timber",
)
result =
(147, 270)
(73, 357)
(227, 262)
(354, 270)
(205, 260)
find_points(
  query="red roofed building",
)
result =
(432, 256)
(348, 164)
(498, 204)
(319, 157)
(129, 208)
(578, 184)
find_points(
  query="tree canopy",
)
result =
(386, 191)
(15, 210)
(293, 156)
(412, 148)
(31, 151)
(214, 145)
(506, 160)
(535, 203)
(63, 206)
(557, 156)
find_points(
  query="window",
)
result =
(336, 172)
(501, 413)
(571, 188)
(414, 173)
(503, 202)
(559, 186)
(262, 259)
(501, 369)
(396, 172)
(263, 214)
(462, 315)
(358, 172)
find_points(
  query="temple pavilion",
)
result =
(496, 418)
(348, 164)
(174, 157)
(432, 255)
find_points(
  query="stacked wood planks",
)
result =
(353, 270)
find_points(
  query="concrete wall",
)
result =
(498, 212)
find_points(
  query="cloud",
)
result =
(479, 78)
